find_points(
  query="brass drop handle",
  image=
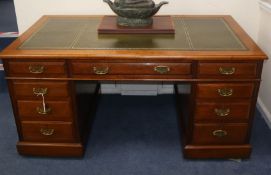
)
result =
(162, 69)
(227, 70)
(225, 92)
(220, 133)
(36, 69)
(101, 70)
(47, 131)
(43, 110)
(222, 112)
(40, 91)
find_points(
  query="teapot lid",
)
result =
(135, 3)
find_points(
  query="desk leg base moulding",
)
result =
(50, 149)
(210, 152)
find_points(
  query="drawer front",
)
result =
(227, 90)
(220, 134)
(47, 132)
(222, 111)
(34, 88)
(85, 68)
(36, 69)
(229, 70)
(54, 110)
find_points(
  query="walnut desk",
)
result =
(212, 54)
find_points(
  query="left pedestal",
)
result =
(44, 107)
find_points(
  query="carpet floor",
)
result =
(4, 42)
(8, 21)
(131, 135)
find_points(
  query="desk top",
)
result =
(197, 37)
(191, 34)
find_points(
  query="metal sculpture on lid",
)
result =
(135, 13)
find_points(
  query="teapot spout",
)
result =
(158, 6)
(162, 3)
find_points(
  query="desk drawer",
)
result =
(220, 134)
(48, 132)
(51, 89)
(55, 110)
(222, 111)
(230, 70)
(225, 90)
(36, 69)
(86, 68)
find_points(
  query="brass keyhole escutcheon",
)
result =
(44, 111)
(222, 112)
(36, 69)
(225, 92)
(227, 70)
(47, 131)
(101, 70)
(40, 91)
(162, 69)
(220, 133)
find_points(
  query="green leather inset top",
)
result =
(81, 33)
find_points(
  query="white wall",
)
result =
(246, 12)
(264, 40)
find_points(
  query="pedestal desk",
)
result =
(48, 63)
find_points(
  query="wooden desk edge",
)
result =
(254, 52)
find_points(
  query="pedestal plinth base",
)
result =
(217, 151)
(50, 149)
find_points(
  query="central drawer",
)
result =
(87, 68)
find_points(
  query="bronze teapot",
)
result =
(135, 13)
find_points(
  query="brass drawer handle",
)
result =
(220, 133)
(44, 111)
(227, 70)
(47, 131)
(225, 92)
(36, 69)
(40, 91)
(222, 112)
(101, 70)
(162, 69)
